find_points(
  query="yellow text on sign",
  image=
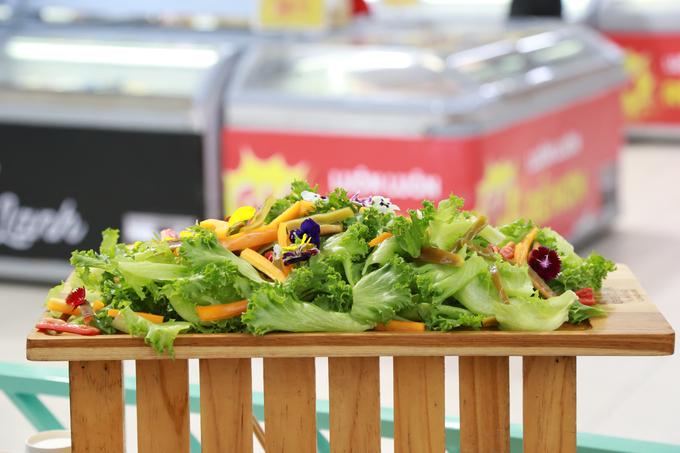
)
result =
(292, 14)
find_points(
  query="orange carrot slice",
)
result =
(521, 251)
(289, 214)
(306, 207)
(262, 264)
(156, 319)
(250, 239)
(529, 238)
(402, 326)
(217, 312)
(379, 239)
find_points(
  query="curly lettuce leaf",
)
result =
(320, 278)
(589, 274)
(412, 234)
(204, 248)
(274, 308)
(450, 223)
(159, 336)
(382, 293)
(534, 313)
(443, 317)
(516, 231)
(579, 312)
(382, 253)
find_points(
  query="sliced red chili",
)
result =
(66, 327)
(585, 296)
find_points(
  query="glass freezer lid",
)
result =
(174, 70)
(460, 70)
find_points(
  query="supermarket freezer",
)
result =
(105, 128)
(521, 122)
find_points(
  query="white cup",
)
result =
(56, 441)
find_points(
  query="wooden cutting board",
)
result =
(633, 327)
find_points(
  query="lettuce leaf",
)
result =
(382, 293)
(437, 282)
(589, 274)
(275, 308)
(411, 234)
(534, 313)
(159, 336)
(579, 312)
(319, 278)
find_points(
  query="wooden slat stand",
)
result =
(633, 326)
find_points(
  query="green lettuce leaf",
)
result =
(319, 278)
(579, 312)
(382, 293)
(437, 282)
(534, 313)
(159, 336)
(274, 308)
(589, 274)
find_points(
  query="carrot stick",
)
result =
(306, 207)
(521, 252)
(284, 241)
(216, 312)
(402, 326)
(61, 306)
(289, 214)
(379, 239)
(156, 319)
(529, 238)
(250, 239)
(262, 264)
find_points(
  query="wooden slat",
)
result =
(226, 406)
(163, 406)
(484, 384)
(549, 404)
(354, 400)
(419, 404)
(634, 327)
(97, 407)
(290, 405)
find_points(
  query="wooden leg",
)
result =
(354, 400)
(97, 407)
(549, 404)
(419, 412)
(163, 406)
(484, 404)
(226, 406)
(290, 405)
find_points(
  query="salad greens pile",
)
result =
(435, 269)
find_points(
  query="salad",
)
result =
(331, 263)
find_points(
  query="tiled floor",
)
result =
(631, 397)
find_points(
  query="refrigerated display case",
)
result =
(519, 122)
(649, 32)
(105, 128)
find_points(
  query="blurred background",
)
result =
(152, 114)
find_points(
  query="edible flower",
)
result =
(382, 204)
(241, 215)
(77, 297)
(545, 262)
(312, 196)
(305, 244)
(308, 233)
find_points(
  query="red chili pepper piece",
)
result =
(585, 296)
(70, 328)
(77, 297)
(494, 248)
(508, 252)
(270, 256)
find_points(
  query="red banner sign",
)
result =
(653, 65)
